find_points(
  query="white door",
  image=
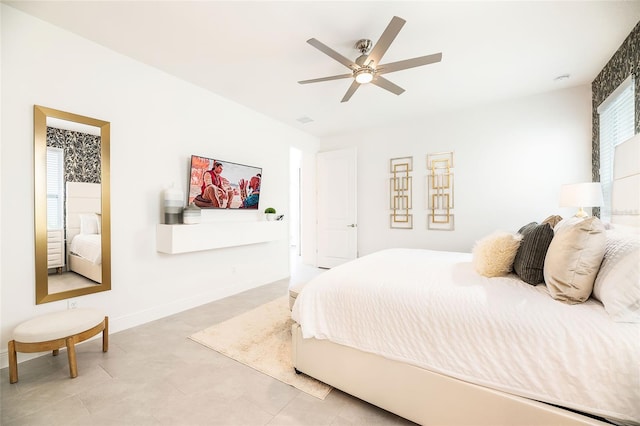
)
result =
(337, 199)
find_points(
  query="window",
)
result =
(616, 125)
(55, 188)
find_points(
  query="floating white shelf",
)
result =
(173, 239)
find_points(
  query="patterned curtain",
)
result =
(625, 61)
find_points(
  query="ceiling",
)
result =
(255, 52)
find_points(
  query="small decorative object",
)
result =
(270, 213)
(400, 192)
(192, 214)
(280, 217)
(173, 205)
(440, 191)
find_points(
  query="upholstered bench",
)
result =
(50, 332)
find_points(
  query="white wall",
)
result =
(157, 122)
(510, 160)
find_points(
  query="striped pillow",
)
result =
(529, 261)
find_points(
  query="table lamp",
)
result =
(588, 194)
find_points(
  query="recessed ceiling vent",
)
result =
(304, 119)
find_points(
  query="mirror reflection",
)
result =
(72, 205)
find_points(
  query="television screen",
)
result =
(218, 184)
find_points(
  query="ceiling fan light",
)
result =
(364, 75)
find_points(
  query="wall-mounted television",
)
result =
(219, 184)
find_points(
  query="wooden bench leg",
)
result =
(13, 362)
(105, 335)
(71, 352)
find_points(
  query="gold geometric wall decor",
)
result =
(440, 191)
(400, 187)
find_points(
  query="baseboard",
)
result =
(155, 313)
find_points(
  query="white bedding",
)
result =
(497, 332)
(87, 246)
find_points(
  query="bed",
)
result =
(422, 334)
(84, 250)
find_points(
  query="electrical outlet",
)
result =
(72, 304)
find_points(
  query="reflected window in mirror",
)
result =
(72, 220)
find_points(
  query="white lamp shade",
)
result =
(588, 194)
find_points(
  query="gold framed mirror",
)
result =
(72, 204)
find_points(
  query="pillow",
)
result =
(88, 223)
(552, 220)
(566, 223)
(527, 228)
(624, 229)
(529, 260)
(99, 222)
(574, 258)
(493, 255)
(617, 284)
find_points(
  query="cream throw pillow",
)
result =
(493, 255)
(89, 223)
(574, 258)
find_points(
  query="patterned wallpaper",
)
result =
(81, 154)
(624, 62)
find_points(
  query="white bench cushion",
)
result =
(57, 325)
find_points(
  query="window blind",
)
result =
(55, 188)
(616, 125)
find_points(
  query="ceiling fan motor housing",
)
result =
(364, 45)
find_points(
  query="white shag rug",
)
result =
(261, 339)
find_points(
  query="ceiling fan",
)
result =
(367, 67)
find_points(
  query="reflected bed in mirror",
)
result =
(72, 205)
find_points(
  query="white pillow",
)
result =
(88, 223)
(617, 284)
(573, 259)
(99, 221)
(625, 229)
(493, 255)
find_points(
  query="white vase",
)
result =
(270, 216)
(173, 204)
(192, 214)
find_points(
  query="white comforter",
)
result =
(430, 309)
(88, 246)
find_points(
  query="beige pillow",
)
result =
(493, 255)
(574, 258)
(552, 220)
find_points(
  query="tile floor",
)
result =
(154, 375)
(67, 281)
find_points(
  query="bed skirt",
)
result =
(417, 394)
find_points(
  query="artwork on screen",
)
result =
(218, 184)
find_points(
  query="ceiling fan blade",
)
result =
(387, 85)
(330, 52)
(385, 40)
(333, 77)
(409, 63)
(352, 89)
